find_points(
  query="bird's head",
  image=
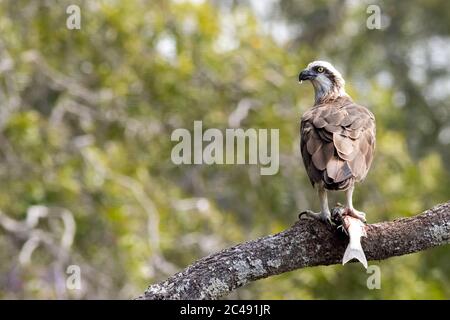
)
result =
(327, 81)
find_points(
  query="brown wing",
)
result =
(337, 143)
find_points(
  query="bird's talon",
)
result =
(321, 216)
(304, 213)
(357, 214)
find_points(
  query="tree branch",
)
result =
(307, 243)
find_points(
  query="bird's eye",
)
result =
(320, 69)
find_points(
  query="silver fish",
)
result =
(355, 229)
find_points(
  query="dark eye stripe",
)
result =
(330, 76)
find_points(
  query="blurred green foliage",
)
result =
(86, 118)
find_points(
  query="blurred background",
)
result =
(86, 117)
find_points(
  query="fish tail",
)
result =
(354, 251)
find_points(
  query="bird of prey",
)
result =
(337, 138)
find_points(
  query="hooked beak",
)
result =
(306, 75)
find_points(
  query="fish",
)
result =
(355, 229)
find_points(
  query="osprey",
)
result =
(337, 138)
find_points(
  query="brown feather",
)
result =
(325, 112)
(338, 169)
(337, 143)
(358, 166)
(347, 120)
(314, 143)
(335, 118)
(344, 172)
(354, 134)
(357, 123)
(332, 128)
(325, 135)
(319, 122)
(343, 144)
(323, 155)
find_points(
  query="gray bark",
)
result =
(307, 243)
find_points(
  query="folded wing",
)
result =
(337, 143)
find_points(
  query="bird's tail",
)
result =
(354, 251)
